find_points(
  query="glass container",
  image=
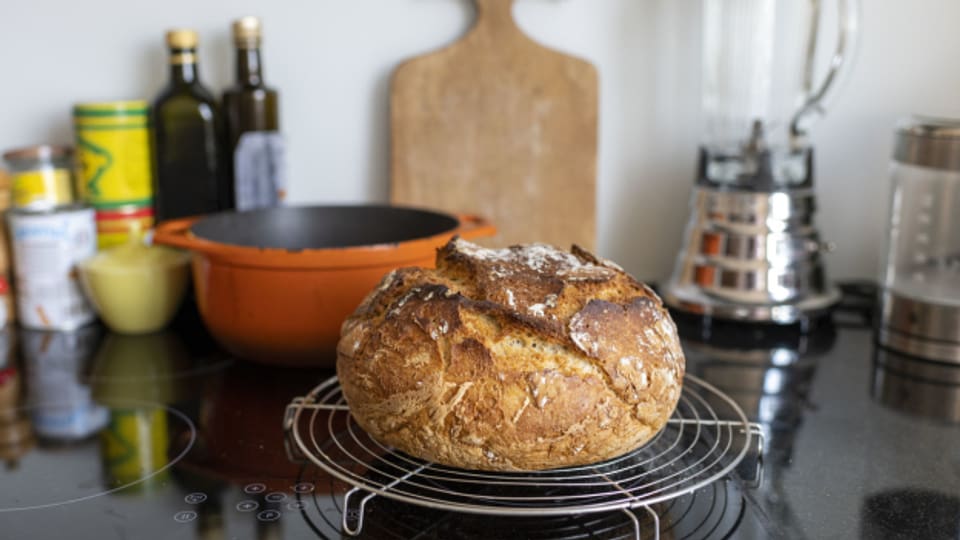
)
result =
(921, 270)
(760, 90)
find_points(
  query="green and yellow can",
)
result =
(120, 225)
(113, 154)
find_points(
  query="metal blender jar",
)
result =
(920, 293)
(751, 249)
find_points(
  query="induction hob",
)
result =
(166, 436)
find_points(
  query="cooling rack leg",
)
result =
(290, 413)
(761, 437)
(656, 523)
(757, 431)
(353, 517)
(636, 523)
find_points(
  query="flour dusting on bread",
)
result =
(523, 358)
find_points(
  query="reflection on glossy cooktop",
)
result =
(165, 436)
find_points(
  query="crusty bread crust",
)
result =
(525, 358)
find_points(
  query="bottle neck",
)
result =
(183, 67)
(249, 68)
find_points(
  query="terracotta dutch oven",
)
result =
(274, 285)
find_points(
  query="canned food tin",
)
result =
(40, 176)
(117, 227)
(6, 304)
(47, 245)
(113, 154)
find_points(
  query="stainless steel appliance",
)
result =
(921, 277)
(751, 249)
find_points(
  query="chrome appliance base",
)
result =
(752, 256)
(695, 301)
(920, 328)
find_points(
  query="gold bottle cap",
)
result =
(182, 39)
(247, 32)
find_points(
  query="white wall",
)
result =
(331, 60)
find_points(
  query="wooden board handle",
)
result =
(495, 11)
(494, 5)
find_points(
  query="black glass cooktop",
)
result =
(166, 436)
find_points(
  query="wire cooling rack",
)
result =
(706, 437)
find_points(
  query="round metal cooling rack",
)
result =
(706, 437)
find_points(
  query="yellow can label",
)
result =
(122, 231)
(43, 187)
(113, 154)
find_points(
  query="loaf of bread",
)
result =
(519, 359)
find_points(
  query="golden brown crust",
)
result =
(526, 358)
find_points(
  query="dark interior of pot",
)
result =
(318, 227)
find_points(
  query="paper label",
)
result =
(42, 188)
(46, 250)
(259, 170)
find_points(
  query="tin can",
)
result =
(4, 243)
(113, 154)
(118, 226)
(7, 313)
(47, 245)
(40, 176)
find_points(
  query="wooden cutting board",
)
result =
(500, 126)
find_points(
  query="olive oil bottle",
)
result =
(186, 128)
(255, 146)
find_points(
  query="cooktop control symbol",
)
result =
(276, 496)
(268, 515)
(303, 487)
(247, 506)
(253, 489)
(195, 498)
(296, 505)
(185, 516)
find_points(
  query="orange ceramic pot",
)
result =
(274, 285)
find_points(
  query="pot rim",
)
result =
(178, 233)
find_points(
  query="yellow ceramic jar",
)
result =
(135, 288)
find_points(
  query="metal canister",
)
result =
(6, 304)
(5, 196)
(47, 245)
(920, 301)
(40, 175)
(117, 227)
(113, 154)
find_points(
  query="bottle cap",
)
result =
(246, 32)
(182, 39)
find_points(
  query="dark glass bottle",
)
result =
(255, 147)
(189, 175)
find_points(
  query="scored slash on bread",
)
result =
(524, 358)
